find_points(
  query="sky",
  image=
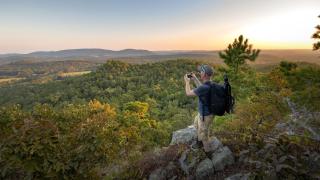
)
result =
(33, 25)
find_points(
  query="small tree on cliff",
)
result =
(316, 36)
(238, 52)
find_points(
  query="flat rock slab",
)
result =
(184, 136)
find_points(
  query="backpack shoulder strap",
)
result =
(208, 96)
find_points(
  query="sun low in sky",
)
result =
(35, 25)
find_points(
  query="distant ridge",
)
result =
(91, 53)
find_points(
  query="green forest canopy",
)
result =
(76, 127)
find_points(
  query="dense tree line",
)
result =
(159, 84)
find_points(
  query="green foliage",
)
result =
(37, 69)
(75, 128)
(259, 107)
(245, 83)
(287, 67)
(257, 113)
(316, 36)
(238, 52)
(8, 117)
(137, 107)
(116, 83)
(305, 84)
(255, 119)
(220, 121)
(32, 151)
(49, 143)
(277, 81)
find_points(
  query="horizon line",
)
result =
(168, 50)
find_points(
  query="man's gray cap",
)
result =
(206, 69)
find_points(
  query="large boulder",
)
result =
(189, 160)
(205, 169)
(212, 145)
(184, 136)
(221, 158)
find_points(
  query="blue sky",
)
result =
(32, 25)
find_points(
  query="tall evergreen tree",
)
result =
(238, 52)
(316, 36)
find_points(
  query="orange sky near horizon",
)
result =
(206, 25)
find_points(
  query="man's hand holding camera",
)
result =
(189, 76)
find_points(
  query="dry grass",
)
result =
(8, 80)
(70, 74)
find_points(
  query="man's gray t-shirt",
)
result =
(202, 92)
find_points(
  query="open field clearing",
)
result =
(70, 74)
(7, 80)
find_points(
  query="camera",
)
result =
(189, 75)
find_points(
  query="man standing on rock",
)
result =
(204, 118)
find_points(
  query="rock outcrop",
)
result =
(185, 159)
(193, 161)
(221, 158)
(184, 136)
(205, 169)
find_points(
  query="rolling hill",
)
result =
(266, 57)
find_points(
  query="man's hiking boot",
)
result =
(197, 145)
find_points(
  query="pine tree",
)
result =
(316, 36)
(238, 52)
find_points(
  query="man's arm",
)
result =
(189, 92)
(196, 80)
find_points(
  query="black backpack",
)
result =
(219, 98)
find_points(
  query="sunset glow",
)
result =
(283, 30)
(167, 25)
